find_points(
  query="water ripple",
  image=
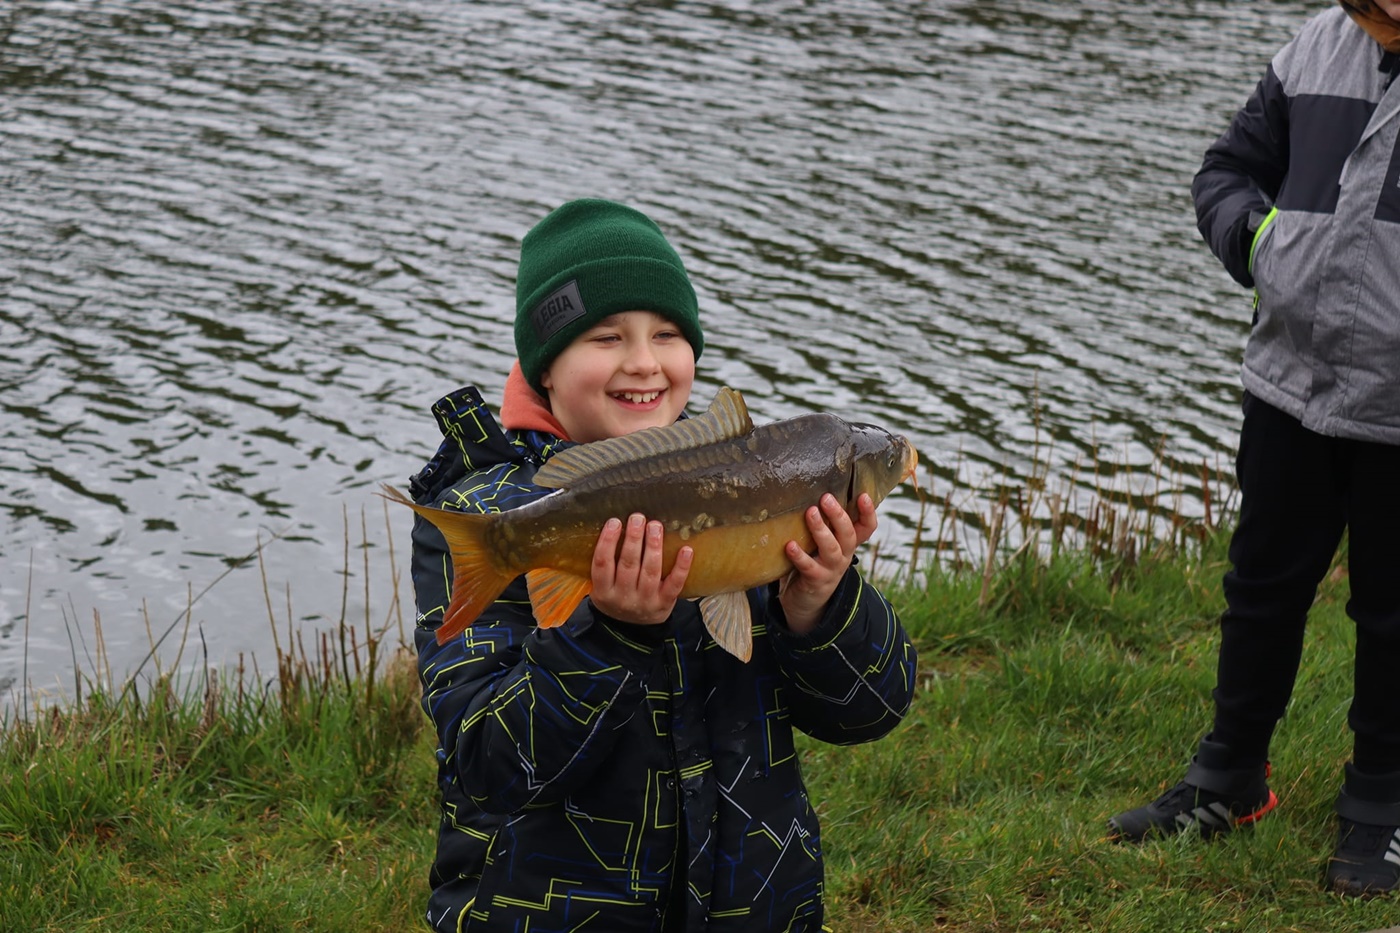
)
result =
(246, 243)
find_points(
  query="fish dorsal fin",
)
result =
(729, 622)
(726, 418)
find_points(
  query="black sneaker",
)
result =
(1211, 800)
(1367, 859)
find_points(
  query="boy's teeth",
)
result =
(640, 398)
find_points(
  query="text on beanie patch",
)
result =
(556, 310)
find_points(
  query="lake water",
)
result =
(245, 244)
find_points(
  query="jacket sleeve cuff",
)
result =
(1241, 242)
(834, 618)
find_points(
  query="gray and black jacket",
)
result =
(1313, 155)
(620, 778)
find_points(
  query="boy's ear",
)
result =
(546, 379)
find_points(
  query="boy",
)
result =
(621, 772)
(1299, 199)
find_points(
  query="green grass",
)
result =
(170, 814)
(1065, 694)
(1053, 692)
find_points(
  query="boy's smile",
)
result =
(630, 371)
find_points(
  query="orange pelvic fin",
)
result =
(476, 580)
(555, 595)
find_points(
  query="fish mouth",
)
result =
(911, 463)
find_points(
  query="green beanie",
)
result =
(587, 260)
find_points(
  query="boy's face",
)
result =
(1390, 8)
(630, 371)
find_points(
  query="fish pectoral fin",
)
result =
(729, 622)
(554, 595)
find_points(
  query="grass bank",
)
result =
(1052, 696)
(1062, 679)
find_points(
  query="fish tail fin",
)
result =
(476, 579)
(729, 622)
(555, 595)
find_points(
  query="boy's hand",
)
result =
(627, 583)
(805, 591)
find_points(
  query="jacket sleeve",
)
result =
(851, 679)
(1243, 171)
(522, 714)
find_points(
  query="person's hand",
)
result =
(627, 582)
(804, 592)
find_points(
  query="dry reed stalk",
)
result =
(993, 540)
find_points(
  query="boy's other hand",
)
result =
(627, 582)
(805, 591)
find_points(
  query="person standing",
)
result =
(622, 772)
(1300, 200)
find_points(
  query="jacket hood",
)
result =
(472, 440)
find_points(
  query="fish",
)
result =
(733, 492)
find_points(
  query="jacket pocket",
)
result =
(1259, 264)
(1260, 236)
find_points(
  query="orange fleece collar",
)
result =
(522, 408)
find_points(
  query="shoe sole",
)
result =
(1259, 814)
(1363, 892)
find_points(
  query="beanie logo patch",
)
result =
(557, 310)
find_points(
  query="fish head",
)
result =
(880, 461)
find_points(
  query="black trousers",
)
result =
(1299, 491)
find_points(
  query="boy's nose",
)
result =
(640, 358)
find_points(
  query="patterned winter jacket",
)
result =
(615, 778)
(1317, 144)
